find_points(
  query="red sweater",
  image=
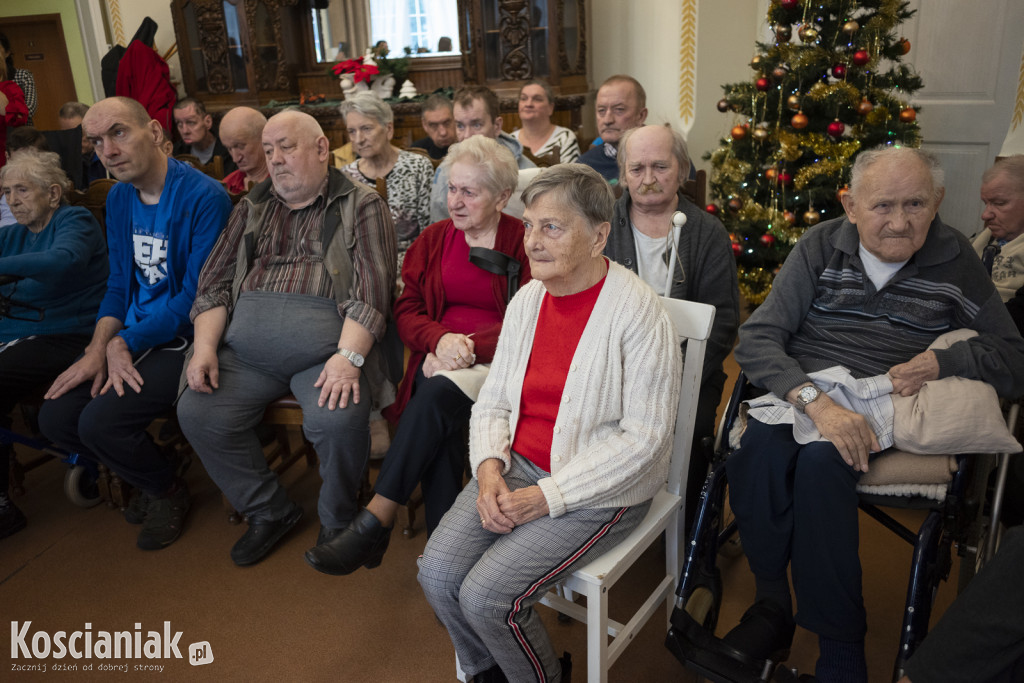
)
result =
(422, 302)
(16, 115)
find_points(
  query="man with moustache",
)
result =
(683, 252)
(438, 120)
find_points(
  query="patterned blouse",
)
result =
(408, 186)
(564, 139)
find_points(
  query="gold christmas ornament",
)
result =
(851, 27)
(793, 102)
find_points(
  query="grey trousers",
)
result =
(275, 344)
(483, 585)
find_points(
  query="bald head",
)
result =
(241, 131)
(127, 141)
(296, 151)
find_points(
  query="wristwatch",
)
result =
(355, 358)
(807, 396)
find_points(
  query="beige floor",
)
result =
(282, 621)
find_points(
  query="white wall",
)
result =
(125, 17)
(641, 38)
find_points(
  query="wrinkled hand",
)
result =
(203, 372)
(848, 431)
(455, 351)
(908, 377)
(120, 370)
(492, 486)
(336, 382)
(90, 367)
(432, 364)
(524, 505)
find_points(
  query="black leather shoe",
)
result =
(492, 675)
(765, 632)
(261, 537)
(362, 543)
(327, 533)
(565, 661)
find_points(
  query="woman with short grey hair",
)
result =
(449, 316)
(570, 437)
(407, 176)
(56, 256)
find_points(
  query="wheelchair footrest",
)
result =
(700, 651)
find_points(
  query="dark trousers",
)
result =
(31, 365)
(111, 429)
(797, 504)
(981, 635)
(429, 447)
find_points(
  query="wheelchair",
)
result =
(965, 514)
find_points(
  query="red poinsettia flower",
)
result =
(359, 71)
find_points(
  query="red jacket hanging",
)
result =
(15, 115)
(143, 75)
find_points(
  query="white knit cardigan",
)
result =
(612, 438)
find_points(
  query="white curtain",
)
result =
(391, 22)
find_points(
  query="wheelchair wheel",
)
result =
(80, 487)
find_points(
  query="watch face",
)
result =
(808, 394)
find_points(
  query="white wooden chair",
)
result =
(693, 324)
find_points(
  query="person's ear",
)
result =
(601, 238)
(54, 193)
(323, 148)
(497, 123)
(849, 206)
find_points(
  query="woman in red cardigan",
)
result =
(13, 111)
(449, 316)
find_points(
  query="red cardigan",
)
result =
(422, 302)
(16, 114)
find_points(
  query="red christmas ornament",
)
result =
(767, 240)
(789, 217)
(864, 107)
(861, 57)
(712, 209)
(785, 177)
(836, 128)
(903, 45)
(783, 33)
(736, 249)
(839, 71)
(908, 115)
(735, 204)
(789, 4)
(762, 84)
(799, 120)
(738, 132)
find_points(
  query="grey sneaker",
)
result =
(165, 518)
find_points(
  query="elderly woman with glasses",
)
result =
(449, 316)
(408, 176)
(56, 256)
(569, 440)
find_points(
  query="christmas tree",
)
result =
(830, 85)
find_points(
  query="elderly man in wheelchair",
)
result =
(870, 292)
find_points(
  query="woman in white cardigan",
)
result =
(569, 440)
